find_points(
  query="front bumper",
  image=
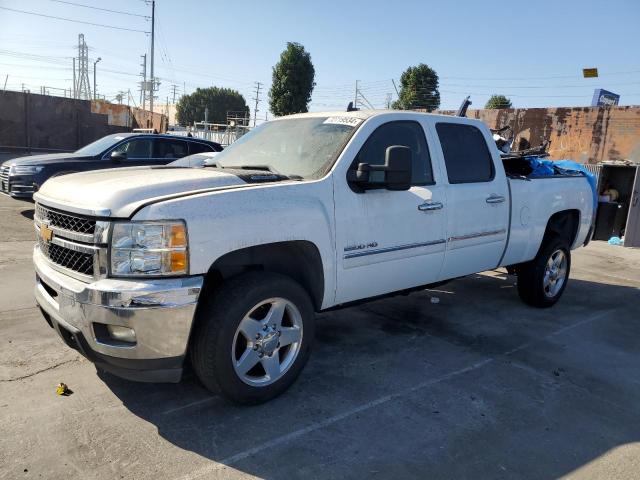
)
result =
(160, 311)
(19, 186)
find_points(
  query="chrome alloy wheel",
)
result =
(555, 273)
(267, 342)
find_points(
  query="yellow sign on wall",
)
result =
(590, 72)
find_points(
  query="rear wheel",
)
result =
(542, 281)
(253, 337)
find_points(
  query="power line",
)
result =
(102, 9)
(72, 20)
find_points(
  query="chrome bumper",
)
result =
(160, 311)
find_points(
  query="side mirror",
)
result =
(118, 157)
(396, 171)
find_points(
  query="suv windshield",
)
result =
(302, 147)
(99, 146)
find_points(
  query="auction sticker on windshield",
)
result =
(349, 121)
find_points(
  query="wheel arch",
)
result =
(297, 259)
(564, 224)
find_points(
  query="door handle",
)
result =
(429, 206)
(493, 198)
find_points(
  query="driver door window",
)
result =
(406, 133)
(136, 149)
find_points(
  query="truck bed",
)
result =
(534, 199)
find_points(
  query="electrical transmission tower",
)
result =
(257, 99)
(83, 87)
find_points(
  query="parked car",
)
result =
(227, 265)
(22, 177)
(198, 160)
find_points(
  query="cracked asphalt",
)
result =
(475, 386)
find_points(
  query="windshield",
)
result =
(302, 147)
(100, 146)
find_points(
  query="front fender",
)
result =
(222, 222)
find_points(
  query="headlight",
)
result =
(26, 169)
(149, 248)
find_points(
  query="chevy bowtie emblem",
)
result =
(45, 233)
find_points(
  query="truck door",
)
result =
(389, 240)
(477, 200)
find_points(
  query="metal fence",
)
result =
(225, 135)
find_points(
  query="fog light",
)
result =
(122, 334)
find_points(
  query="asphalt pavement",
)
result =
(460, 382)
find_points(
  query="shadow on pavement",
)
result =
(475, 385)
(28, 213)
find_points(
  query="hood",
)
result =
(119, 192)
(42, 159)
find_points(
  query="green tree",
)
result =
(219, 101)
(418, 89)
(498, 101)
(292, 81)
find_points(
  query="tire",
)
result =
(536, 284)
(239, 325)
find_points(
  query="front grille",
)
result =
(65, 221)
(4, 179)
(65, 257)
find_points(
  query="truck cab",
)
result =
(228, 263)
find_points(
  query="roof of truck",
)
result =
(361, 114)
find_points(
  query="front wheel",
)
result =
(253, 337)
(542, 281)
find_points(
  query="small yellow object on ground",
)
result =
(63, 390)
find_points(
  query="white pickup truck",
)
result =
(143, 267)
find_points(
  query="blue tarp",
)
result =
(547, 168)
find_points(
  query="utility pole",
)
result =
(388, 102)
(143, 85)
(75, 95)
(173, 88)
(355, 98)
(95, 92)
(257, 99)
(153, 79)
(396, 88)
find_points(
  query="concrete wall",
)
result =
(31, 123)
(584, 134)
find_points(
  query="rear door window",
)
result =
(466, 155)
(196, 147)
(168, 149)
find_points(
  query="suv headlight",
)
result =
(25, 169)
(149, 248)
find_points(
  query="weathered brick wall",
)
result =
(42, 122)
(584, 134)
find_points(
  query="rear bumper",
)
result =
(160, 312)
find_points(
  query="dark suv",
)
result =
(22, 177)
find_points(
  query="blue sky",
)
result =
(531, 51)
